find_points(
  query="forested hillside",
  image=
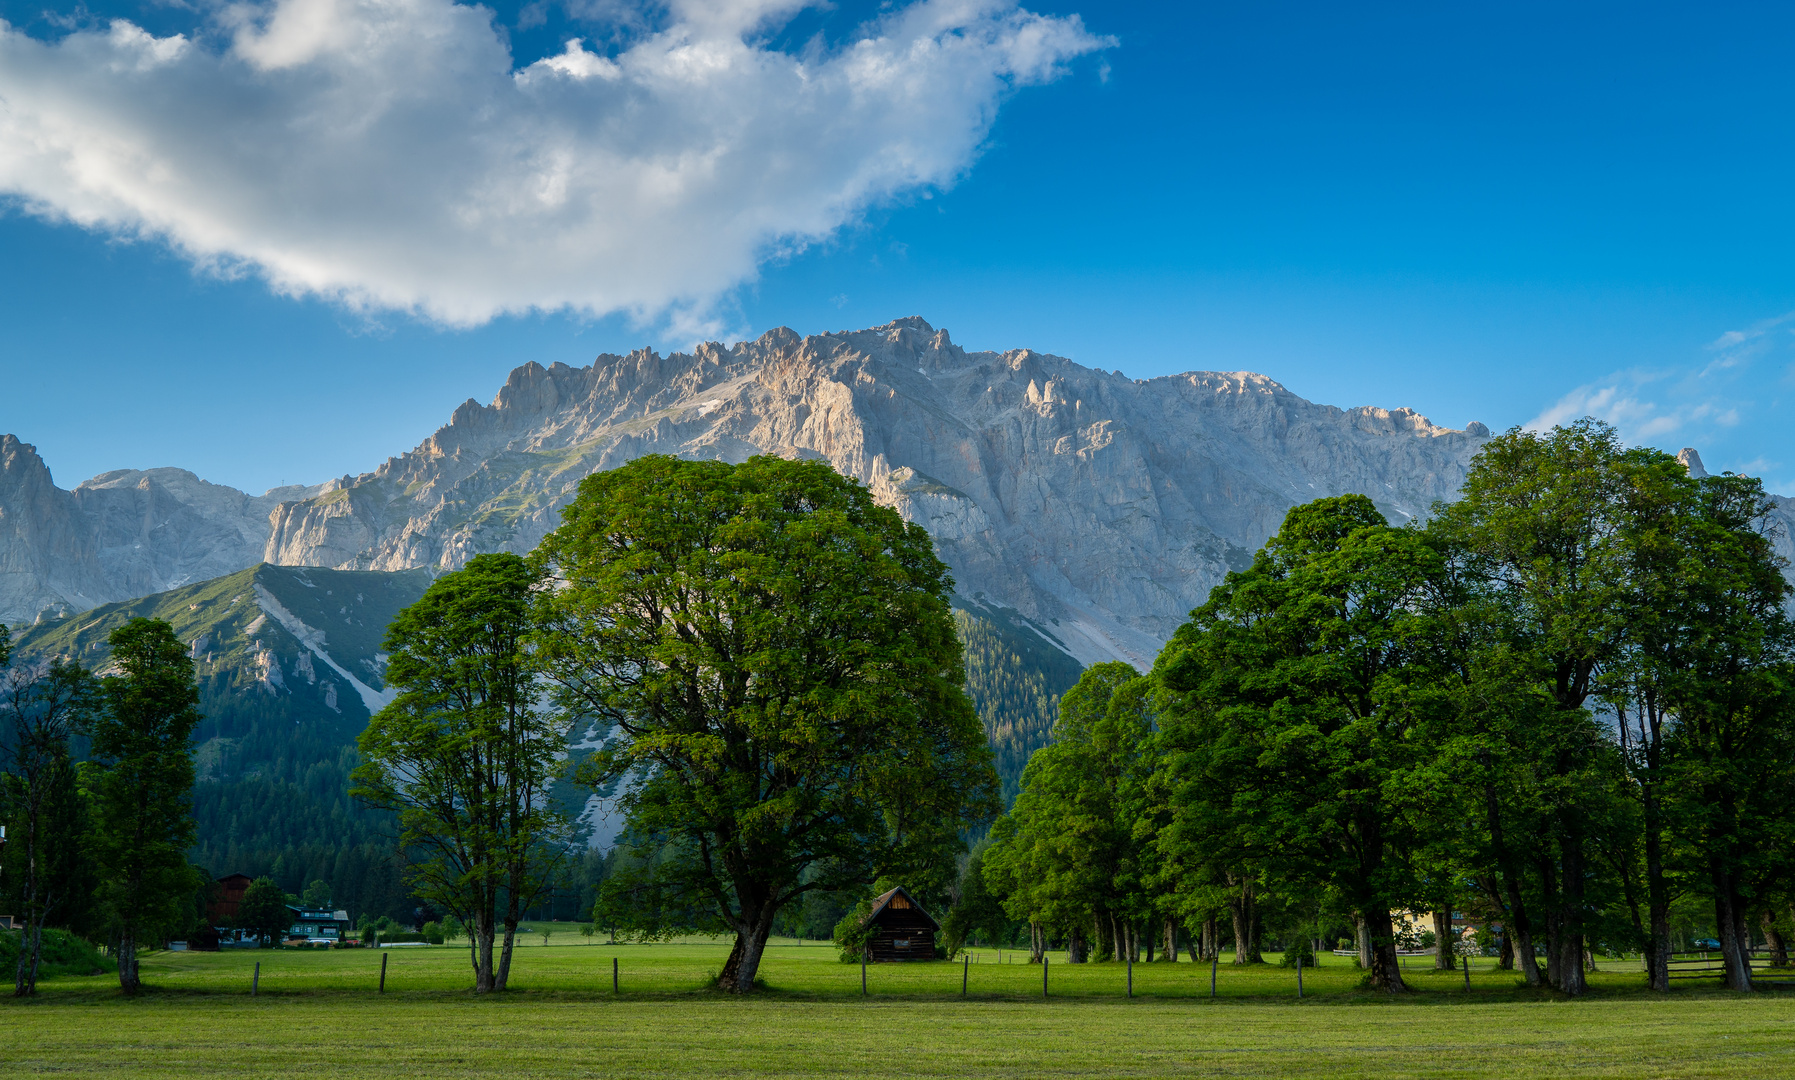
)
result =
(288, 660)
(1015, 679)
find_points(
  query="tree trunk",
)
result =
(1522, 930)
(501, 976)
(1386, 970)
(128, 978)
(1773, 939)
(1237, 911)
(1212, 939)
(1037, 943)
(1443, 941)
(743, 964)
(1361, 933)
(1728, 924)
(1572, 939)
(1171, 939)
(1505, 952)
(1077, 951)
(1118, 939)
(484, 931)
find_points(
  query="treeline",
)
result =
(97, 846)
(1565, 706)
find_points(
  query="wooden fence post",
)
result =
(1299, 975)
(1131, 976)
(384, 957)
(1043, 974)
(613, 974)
(1213, 960)
(863, 950)
(1467, 965)
(965, 973)
(255, 980)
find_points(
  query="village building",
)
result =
(902, 930)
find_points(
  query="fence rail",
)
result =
(1710, 964)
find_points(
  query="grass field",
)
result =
(318, 1014)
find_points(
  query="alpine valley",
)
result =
(1083, 513)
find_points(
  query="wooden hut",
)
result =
(902, 929)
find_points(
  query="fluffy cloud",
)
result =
(388, 154)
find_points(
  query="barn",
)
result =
(902, 930)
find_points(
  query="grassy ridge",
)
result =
(319, 1015)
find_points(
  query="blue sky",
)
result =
(1511, 214)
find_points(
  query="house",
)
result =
(222, 911)
(318, 924)
(902, 929)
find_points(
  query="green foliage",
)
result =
(773, 655)
(316, 895)
(63, 954)
(1287, 714)
(1067, 855)
(142, 789)
(263, 912)
(45, 877)
(976, 910)
(465, 758)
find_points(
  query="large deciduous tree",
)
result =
(142, 787)
(465, 756)
(1288, 711)
(775, 659)
(44, 705)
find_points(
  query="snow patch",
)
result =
(313, 640)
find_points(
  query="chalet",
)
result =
(902, 929)
(318, 925)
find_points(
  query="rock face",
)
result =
(1099, 508)
(122, 534)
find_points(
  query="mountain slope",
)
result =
(289, 665)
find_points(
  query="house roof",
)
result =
(884, 900)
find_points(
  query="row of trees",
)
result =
(1566, 702)
(98, 842)
(771, 661)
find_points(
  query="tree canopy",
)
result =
(772, 659)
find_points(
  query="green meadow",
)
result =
(321, 1014)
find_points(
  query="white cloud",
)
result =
(388, 155)
(1714, 403)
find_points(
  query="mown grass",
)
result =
(318, 1014)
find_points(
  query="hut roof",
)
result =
(884, 901)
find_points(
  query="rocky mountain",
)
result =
(1096, 508)
(123, 534)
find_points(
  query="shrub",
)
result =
(64, 954)
(433, 933)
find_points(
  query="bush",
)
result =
(433, 933)
(64, 954)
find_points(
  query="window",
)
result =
(902, 943)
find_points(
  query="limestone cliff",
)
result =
(123, 534)
(1099, 508)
